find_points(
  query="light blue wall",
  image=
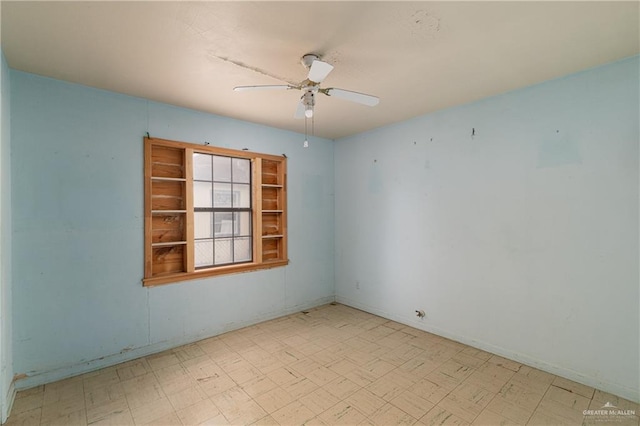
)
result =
(77, 183)
(6, 363)
(521, 239)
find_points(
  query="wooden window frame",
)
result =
(168, 198)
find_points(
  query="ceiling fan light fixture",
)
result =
(308, 111)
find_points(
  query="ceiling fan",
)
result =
(318, 71)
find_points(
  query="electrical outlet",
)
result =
(357, 285)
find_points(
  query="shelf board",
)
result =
(271, 211)
(271, 185)
(167, 211)
(171, 179)
(273, 236)
(170, 243)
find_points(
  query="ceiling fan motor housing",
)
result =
(308, 59)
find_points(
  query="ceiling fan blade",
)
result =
(360, 98)
(319, 71)
(299, 110)
(268, 87)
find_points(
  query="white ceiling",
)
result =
(417, 57)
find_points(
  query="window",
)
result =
(211, 211)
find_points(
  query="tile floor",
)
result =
(331, 366)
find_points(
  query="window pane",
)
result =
(223, 224)
(223, 251)
(202, 167)
(203, 253)
(202, 194)
(222, 195)
(221, 169)
(241, 170)
(241, 195)
(242, 225)
(241, 249)
(203, 225)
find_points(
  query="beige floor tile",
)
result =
(341, 387)
(25, 418)
(321, 376)
(574, 387)
(199, 412)
(216, 384)
(419, 367)
(64, 408)
(601, 398)
(515, 403)
(468, 360)
(103, 395)
(27, 403)
(305, 366)
(389, 415)
(37, 390)
(504, 362)
(170, 419)
(438, 352)
(100, 379)
(266, 421)
(361, 377)
(439, 416)
(477, 353)
(274, 399)
(489, 418)
(533, 379)
(284, 375)
(299, 388)
(401, 354)
(319, 401)
(162, 360)
(496, 371)
(366, 402)
(63, 390)
(342, 414)
(149, 412)
(73, 418)
(289, 355)
(247, 413)
(144, 395)
(214, 347)
(329, 366)
(258, 385)
(412, 404)
(450, 374)
(123, 418)
(464, 408)
(140, 382)
(390, 385)
(295, 413)
(430, 391)
(131, 369)
(187, 352)
(310, 348)
(379, 368)
(555, 413)
(569, 399)
(490, 383)
(109, 409)
(467, 401)
(244, 375)
(187, 397)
